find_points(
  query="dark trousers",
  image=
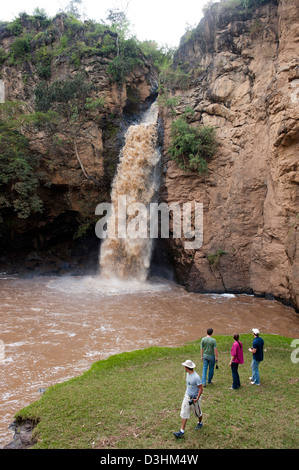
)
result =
(235, 374)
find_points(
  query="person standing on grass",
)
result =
(209, 355)
(236, 359)
(257, 351)
(191, 398)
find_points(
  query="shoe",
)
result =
(253, 383)
(198, 426)
(250, 378)
(179, 434)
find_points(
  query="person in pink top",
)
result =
(236, 359)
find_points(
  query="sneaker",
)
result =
(179, 434)
(253, 383)
(198, 426)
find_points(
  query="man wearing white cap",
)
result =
(257, 356)
(191, 398)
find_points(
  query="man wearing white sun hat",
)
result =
(191, 398)
(257, 356)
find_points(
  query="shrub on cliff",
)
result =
(63, 95)
(128, 57)
(191, 147)
(20, 49)
(18, 179)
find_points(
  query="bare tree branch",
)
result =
(82, 167)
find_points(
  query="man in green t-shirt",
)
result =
(209, 355)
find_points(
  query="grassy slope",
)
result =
(132, 401)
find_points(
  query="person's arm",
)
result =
(216, 353)
(233, 354)
(199, 393)
(253, 349)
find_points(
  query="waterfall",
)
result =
(136, 182)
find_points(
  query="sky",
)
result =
(164, 21)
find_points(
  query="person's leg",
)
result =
(204, 370)
(211, 368)
(183, 424)
(185, 415)
(198, 414)
(234, 374)
(255, 372)
(238, 377)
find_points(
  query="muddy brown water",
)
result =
(54, 328)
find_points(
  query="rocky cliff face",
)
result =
(243, 78)
(65, 67)
(238, 71)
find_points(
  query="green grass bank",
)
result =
(132, 401)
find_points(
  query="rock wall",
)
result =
(243, 73)
(79, 155)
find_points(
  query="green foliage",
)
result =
(15, 27)
(63, 95)
(214, 258)
(64, 40)
(73, 8)
(43, 71)
(39, 119)
(20, 49)
(108, 45)
(112, 40)
(19, 168)
(118, 23)
(40, 15)
(86, 225)
(18, 181)
(44, 58)
(191, 147)
(94, 103)
(94, 32)
(42, 97)
(129, 56)
(73, 25)
(14, 115)
(252, 3)
(170, 103)
(3, 56)
(162, 56)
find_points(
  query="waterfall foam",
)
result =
(137, 179)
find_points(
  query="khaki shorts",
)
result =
(186, 408)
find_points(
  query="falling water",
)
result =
(136, 179)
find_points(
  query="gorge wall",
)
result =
(97, 86)
(242, 72)
(238, 71)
